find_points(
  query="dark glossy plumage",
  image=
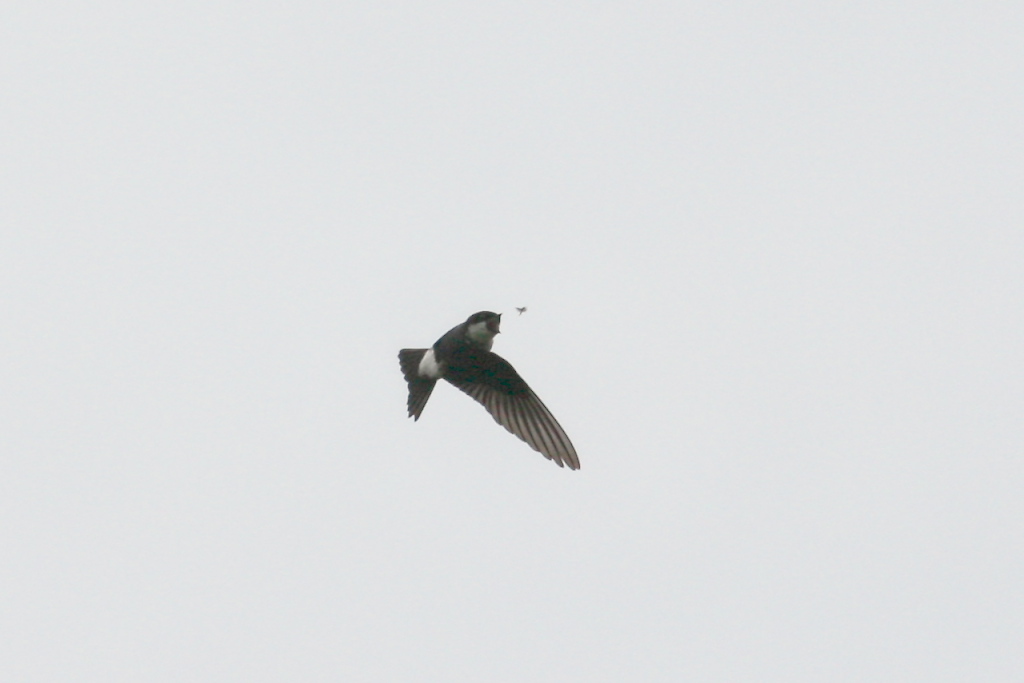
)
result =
(463, 358)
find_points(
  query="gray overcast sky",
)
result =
(773, 255)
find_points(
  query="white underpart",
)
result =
(479, 334)
(429, 367)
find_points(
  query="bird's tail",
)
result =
(419, 387)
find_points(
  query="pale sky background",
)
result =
(773, 255)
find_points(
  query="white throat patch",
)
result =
(479, 334)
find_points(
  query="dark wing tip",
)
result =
(526, 416)
(492, 381)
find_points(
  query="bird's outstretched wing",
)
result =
(493, 382)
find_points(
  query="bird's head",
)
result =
(481, 327)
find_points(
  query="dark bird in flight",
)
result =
(463, 358)
(521, 309)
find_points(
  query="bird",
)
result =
(521, 309)
(463, 358)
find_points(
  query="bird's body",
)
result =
(463, 358)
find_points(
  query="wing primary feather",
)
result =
(554, 430)
(525, 429)
(546, 443)
(557, 433)
(493, 383)
(503, 411)
(543, 431)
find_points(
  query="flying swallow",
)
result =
(521, 309)
(463, 358)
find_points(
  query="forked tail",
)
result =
(419, 387)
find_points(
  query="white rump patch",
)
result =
(428, 366)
